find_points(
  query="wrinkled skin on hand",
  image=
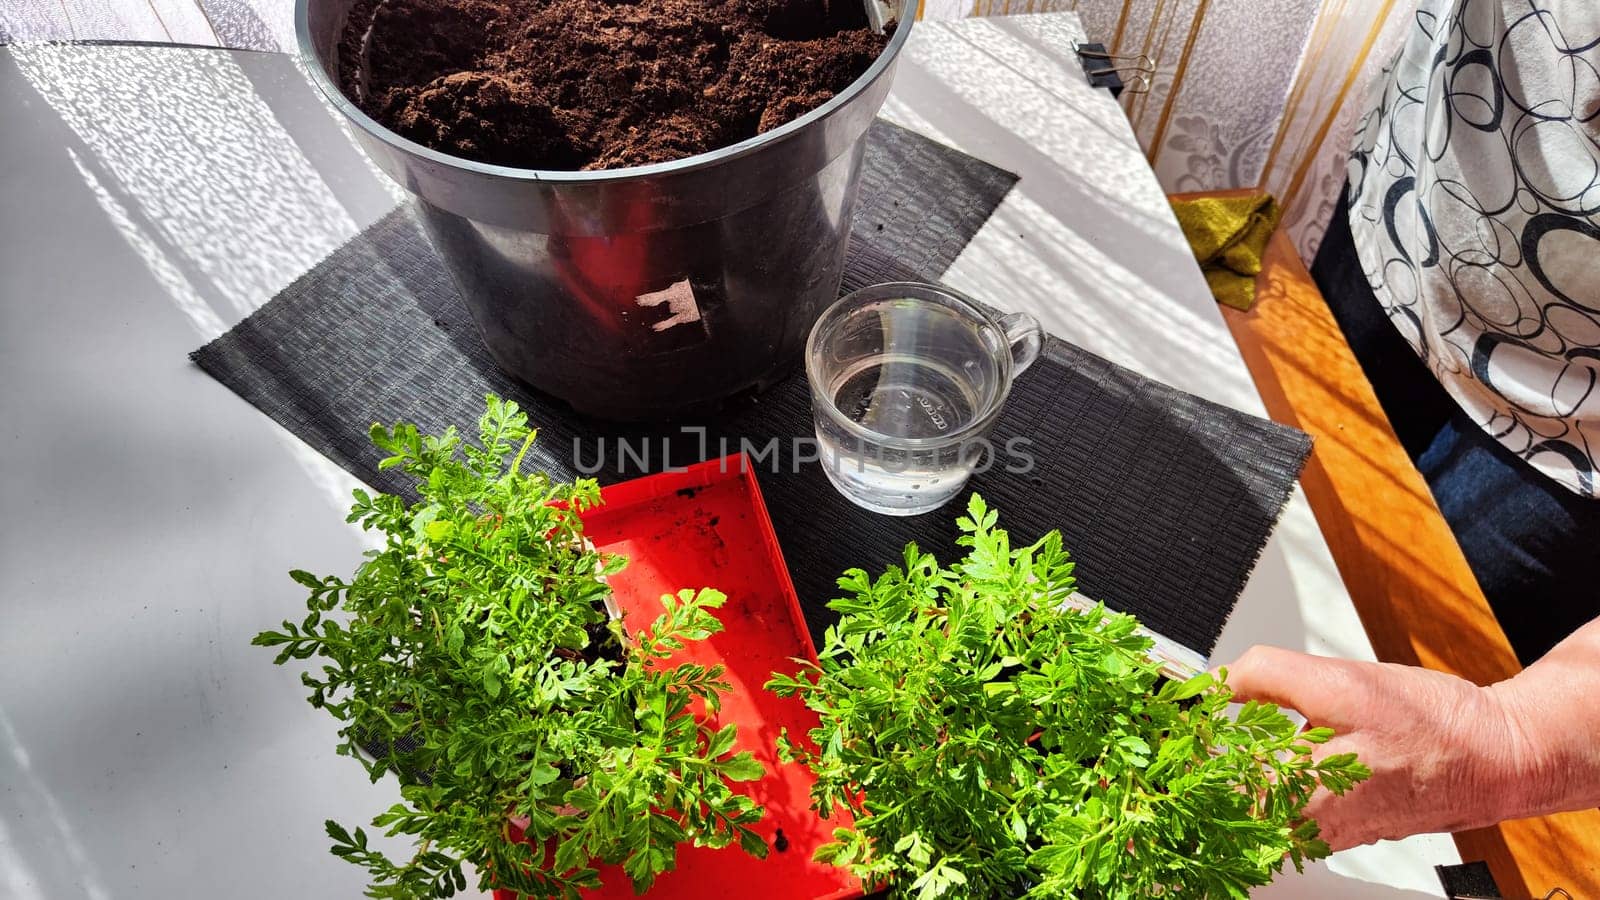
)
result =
(1445, 754)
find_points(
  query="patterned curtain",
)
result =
(1351, 43)
(1246, 92)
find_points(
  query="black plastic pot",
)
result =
(648, 292)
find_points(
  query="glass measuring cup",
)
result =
(907, 381)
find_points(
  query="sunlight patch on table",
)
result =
(67, 836)
(186, 145)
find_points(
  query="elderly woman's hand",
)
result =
(1445, 754)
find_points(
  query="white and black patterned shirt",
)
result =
(1475, 207)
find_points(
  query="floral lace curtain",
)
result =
(1246, 92)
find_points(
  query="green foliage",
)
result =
(992, 743)
(479, 636)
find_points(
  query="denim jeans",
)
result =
(1533, 545)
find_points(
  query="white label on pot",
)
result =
(679, 299)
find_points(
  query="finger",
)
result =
(1319, 688)
(1343, 821)
(1266, 674)
(1339, 743)
(1339, 823)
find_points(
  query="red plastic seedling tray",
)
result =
(707, 527)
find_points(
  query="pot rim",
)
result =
(330, 90)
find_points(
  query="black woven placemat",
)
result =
(1165, 499)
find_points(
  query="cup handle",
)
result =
(1025, 336)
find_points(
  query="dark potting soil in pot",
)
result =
(598, 84)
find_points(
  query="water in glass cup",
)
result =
(907, 380)
(900, 397)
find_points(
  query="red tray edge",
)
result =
(705, 474)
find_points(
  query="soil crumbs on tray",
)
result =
(598, 84)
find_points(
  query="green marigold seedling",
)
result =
(476, 646)
(992, 742)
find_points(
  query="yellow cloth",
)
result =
(1228, 236)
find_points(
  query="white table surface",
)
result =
(151, 197)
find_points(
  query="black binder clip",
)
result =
(1468, 881)
(1106, 69)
